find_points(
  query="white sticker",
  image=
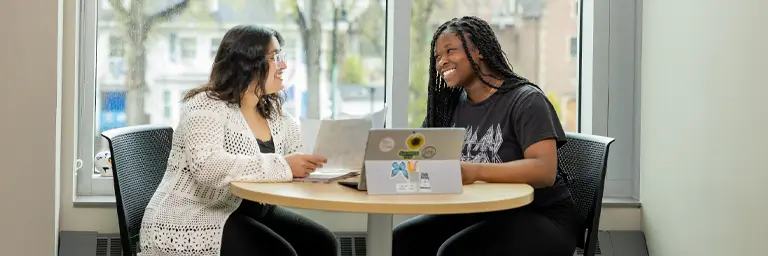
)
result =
(405, 187)
(386, 144)
(424, 184)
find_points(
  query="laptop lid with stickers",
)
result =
(414, 160)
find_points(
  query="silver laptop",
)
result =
(405, 161)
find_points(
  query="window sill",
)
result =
(621, 202)
(109, 201)
(94, 202)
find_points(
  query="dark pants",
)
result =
(277, 232)
(524, 231)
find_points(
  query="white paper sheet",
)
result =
(309, 131)
(342, 142)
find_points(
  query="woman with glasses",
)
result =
(232, 128)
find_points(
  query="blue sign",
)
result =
(112, 114)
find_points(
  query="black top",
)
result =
(501, 127)
(251, 208)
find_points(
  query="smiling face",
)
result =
(276, 60)
(452, 62)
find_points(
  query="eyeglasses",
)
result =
(280, 57)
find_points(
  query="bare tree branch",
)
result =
(120, 10)
(301, 19)
(167, 13)
(430, 5)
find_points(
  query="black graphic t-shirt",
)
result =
(500, 128)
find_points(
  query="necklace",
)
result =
(493, 90)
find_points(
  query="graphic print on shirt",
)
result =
(486, 148)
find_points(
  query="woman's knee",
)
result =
(399, 235)
(328, 242)
(406, 235)
(405, 232)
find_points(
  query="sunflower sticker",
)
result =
(415, 141)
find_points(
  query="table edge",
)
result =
(384, 208)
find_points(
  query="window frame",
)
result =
(87, 183)
(608, 53)
(610, 43)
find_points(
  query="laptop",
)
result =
(407, 161)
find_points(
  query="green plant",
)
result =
(353, 72)
(554, 99)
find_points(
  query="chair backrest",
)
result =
(139, 159)
(584, 159)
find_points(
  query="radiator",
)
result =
(87, 243)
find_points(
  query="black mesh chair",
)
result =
(139, 158)
(584, 159)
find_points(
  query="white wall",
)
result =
(703, 127)
(29, 152)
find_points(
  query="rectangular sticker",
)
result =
(424, 184)
(405, 187)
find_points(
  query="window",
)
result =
(576, 10)
(345, 80)
(574, 47)
(188, 47)
(116, 47)
(215, 42)
(351, 67)
(167, 106)
(172, 45)
(520, 28)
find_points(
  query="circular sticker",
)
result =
(428, 152)
(415, 141)
(386, 144)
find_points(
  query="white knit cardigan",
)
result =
(212, 146)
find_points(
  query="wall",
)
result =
(29, 154)
(703, 125)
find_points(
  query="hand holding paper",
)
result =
(342, 142)
(302, 164)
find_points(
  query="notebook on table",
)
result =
(328, 176)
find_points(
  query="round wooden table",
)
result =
(478, 197)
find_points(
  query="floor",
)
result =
(622, 243)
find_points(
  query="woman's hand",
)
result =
(303, 164)
(469, 173)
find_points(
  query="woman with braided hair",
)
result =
(513, 134)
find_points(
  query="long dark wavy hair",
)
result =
(242, 57)
(441, 99)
